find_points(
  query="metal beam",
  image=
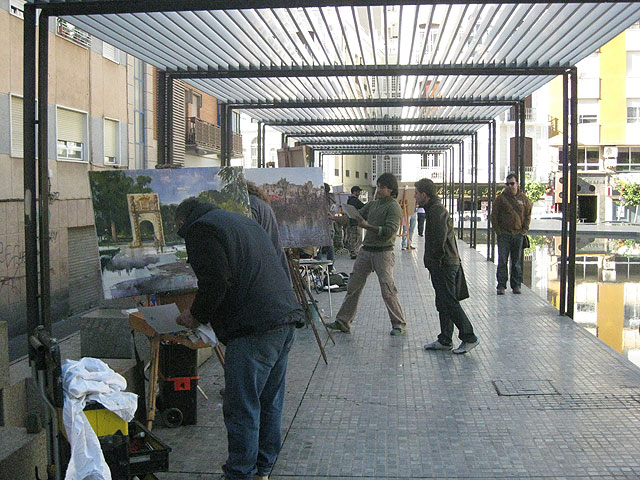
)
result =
(381, 121)
(97, 7)
(377, 143)
(367, 71)
(379, 102)
(390, 133)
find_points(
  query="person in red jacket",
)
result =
(510, 217)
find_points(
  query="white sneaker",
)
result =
(466, 347)
(437, 346)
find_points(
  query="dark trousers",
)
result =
(509, 246)
(449, 308)
(421, 218)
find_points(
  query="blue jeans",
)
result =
(509, 246)
(254, 375)
(412, 228)
(448, 306)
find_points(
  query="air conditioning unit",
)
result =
(610, 152)
(111, 161)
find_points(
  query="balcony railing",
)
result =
(206, 136)
(529, 115)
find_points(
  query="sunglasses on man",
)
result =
(511, 183)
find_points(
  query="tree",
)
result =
(630, 193)
(109, 194)
(534, 190)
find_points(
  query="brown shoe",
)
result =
(260, 477)
(500, 291)
(517, 290)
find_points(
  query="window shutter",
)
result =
(110, 52)
(16, 127)
(111, 139)
(70, 126)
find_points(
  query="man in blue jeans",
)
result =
(442, 260)
(510, 217)
(246, 296)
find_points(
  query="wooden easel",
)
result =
(404, 204)
(305, 298)
(139, 324)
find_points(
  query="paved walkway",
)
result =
(538, 398)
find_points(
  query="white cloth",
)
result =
(82, 381)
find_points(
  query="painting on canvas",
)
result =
(140, 250)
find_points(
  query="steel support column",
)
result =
(224, 134)
(161, 118)
(521, 148)
(30, 174)
(492, 182)
(170, 148)
(461, 193)
(573, 190)
(474, 215)
(264, 145)
(565, 194)
(490, 167)
(452, 180)
(43, 170)
(259, 146)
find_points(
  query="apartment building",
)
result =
(608, 129)
(102, 115)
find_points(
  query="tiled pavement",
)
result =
(385, 408)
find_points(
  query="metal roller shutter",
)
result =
(85, 283)
(70, 125)
(178, 122)
(16, 127)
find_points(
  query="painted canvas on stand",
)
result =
(298, 200)
(140, 250)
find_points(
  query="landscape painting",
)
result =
(141, 252)
(298, 200)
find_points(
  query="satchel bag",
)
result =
(525, 242)
(462, 291)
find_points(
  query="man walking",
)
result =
(510, 217)
(381, 221)
(442, 260)
(354, 231)
(246, 296)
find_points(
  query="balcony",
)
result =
(205, 138)
(530, 115)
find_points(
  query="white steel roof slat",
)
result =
(278, 14)
(318, 43)
(508, 38)
(489, 16)
(432, 9)
(308, 37)
(207, 42)
(495, 29)
(344, 34)
(338, 58)
(127, 42)
(550, 19)
(463, 39)
(249, 26)
(235, 41)
(452, 34)
(257, 23)
(264, 16)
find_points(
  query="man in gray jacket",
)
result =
(442, 260)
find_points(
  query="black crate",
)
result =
(178, 361)
(178, 401)
(150, 455)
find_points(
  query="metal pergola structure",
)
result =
(337, 70)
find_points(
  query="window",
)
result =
(633, 64)
(366, 175)
(254, 152)
(16, 8)
(346, 173)
(16, 127)
(111, 142)
(633, 110)
(628, 159)
(139, 136)
(71, 134)
(110, 52)
(336, 172)
(589, 158)
(587, 119)
(73, 33)
(357, 174)
(235, 120)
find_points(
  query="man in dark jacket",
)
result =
(442, 260)
(354, 231)
(510, 217)
(246, 296)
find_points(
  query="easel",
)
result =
(305, 298)
(139, 324)
(404, 204)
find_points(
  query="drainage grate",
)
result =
(524, 387)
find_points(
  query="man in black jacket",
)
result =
(246, 296)
(442, 260)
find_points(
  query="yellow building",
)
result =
(608, 128)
